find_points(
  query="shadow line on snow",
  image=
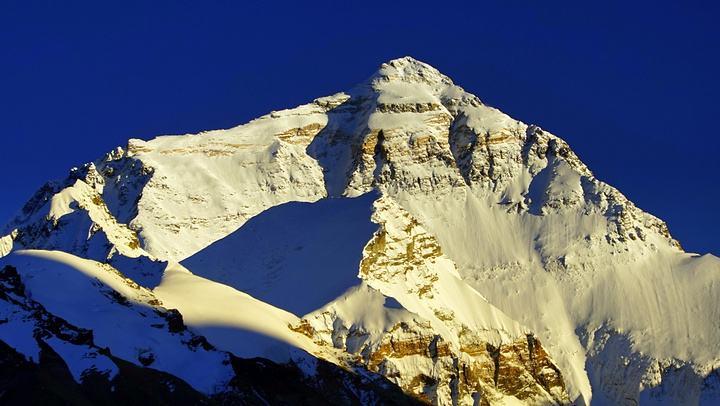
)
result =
(296, 256)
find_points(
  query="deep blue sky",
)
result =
(632, 87)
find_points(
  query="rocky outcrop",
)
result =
(6, 243)
(434, 350)
(72, 216)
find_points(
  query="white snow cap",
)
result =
(410, 69)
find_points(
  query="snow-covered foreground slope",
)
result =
(402, 229)
(105, 329)
(122, 316)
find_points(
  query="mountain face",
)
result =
(401, 242)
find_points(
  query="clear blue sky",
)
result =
(632, 86)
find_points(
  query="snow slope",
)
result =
(307, 256)
(230, 319)
(296, 256)
(125, 324)
(122, 316)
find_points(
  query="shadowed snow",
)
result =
(296, 256)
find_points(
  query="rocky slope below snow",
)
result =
(401, 231)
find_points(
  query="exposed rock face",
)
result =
(459, 363)
(6, 243)
(492, 238)
(72, 216)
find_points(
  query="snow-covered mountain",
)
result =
(400, 242)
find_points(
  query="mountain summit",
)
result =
(401, 242)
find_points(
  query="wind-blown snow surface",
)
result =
(402, 213)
